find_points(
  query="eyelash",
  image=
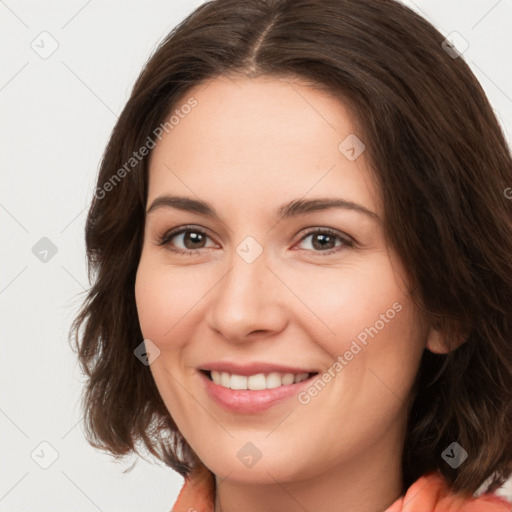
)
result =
(167, 237)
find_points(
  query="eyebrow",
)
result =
(294, 208)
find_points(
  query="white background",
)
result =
(57, 114)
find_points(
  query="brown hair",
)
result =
(441, 163)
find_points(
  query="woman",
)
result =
(301, 245)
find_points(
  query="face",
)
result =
(252, 292)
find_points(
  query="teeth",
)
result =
(238, 382)
(273, 380)
(256, 382)
(301, 376)
(223, 380)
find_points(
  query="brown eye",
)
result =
(322, 241)
(184, 240)
(193, 239)
(326, 241)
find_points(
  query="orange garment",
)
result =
(430, 493)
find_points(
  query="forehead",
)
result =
(260, 138)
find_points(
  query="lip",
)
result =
(245, 401)
(254, 368)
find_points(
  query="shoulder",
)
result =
(432, 493)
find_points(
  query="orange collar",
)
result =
(430, 493)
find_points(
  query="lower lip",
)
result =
(248, 401)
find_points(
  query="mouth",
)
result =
(256, 382)
(253, 393)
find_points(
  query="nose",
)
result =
(249, 302)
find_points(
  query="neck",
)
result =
(369, 483)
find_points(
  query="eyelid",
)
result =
(346, 240)
(331, 231)
(164, 239)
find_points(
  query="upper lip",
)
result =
(253, 368)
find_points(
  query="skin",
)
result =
(249, 146)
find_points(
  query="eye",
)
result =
(323, 240)
(190, 237)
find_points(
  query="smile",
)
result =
(254, 393)
(256, 382)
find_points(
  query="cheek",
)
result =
(165, 311)
(357, 302)
(366, 316)
(165, 301)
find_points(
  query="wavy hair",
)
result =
(443, 168)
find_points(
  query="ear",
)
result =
(444, 340)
